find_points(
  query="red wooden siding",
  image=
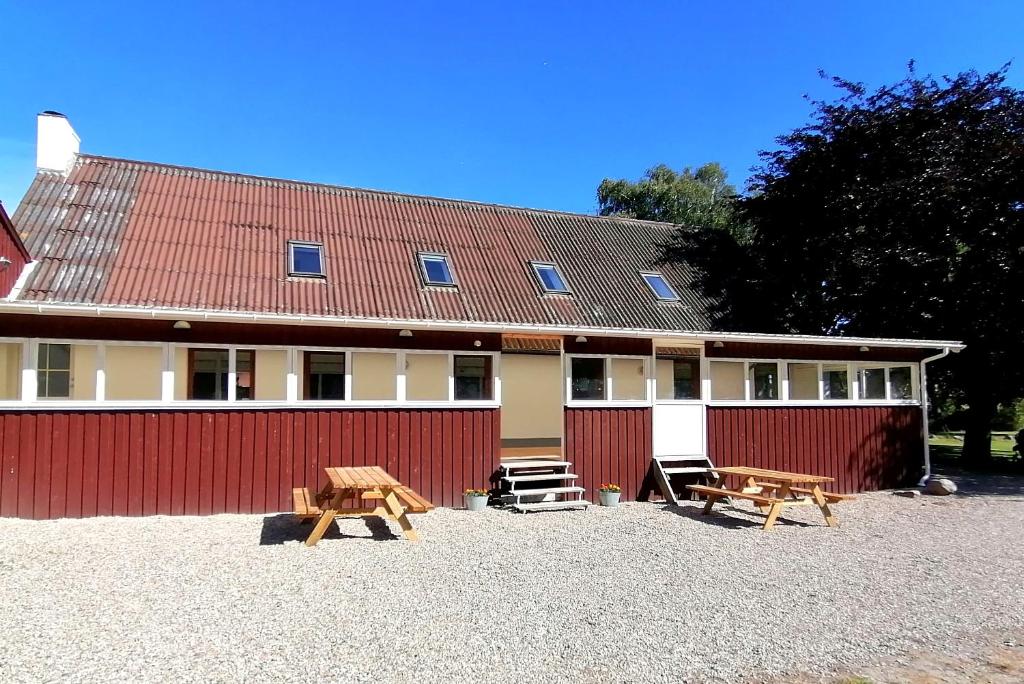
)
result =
(864, 448)
(12, 248)
(84, 463)
(609, 445)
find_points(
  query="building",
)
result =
(182, 341)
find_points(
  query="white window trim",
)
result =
(609, 389)
(538, 265)
(704, 381)
(421, 262)
(664, 280)
(295, 273)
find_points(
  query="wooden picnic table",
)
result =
(361, 484)
(771, 490)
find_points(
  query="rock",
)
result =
(909, 493)
(940, 486)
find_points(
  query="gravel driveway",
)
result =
(636, 593)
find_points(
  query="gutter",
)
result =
(924, 410)
(10, 305)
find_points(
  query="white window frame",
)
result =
(609, 387)
(538, 265)
(421, 260)
(294, 272)
(654, 274)
(704, 379)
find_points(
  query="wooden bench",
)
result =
(719, 493)
(830, 497)
(305, 503)
(413, 502)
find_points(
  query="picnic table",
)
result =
(771, 490)
(361, 484)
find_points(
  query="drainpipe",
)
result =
(924, 412)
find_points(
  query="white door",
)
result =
(678, 429)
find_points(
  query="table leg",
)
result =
(395, 510)
(712, 498)
(321, 527)
(776, 508)
(819, 499)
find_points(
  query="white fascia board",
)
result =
(53, 309)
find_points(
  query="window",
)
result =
(435, 270)
(803, 381)
(660, 287)
(678, 378)
(550, 278)
(325, 376)
(209, 374)
(872, 383)
(764, 381)
(305, 259)
(835, 381)
(54, 371)
(472, 377)
(901, 383)
(588, 378)
(727, 380)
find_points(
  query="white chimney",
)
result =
(56, 144)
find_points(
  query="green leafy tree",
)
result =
(692, 197)
(897, 212)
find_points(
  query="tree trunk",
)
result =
(981, 410)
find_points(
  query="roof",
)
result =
(122, 233)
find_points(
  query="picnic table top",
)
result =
(364, 477)
(777, 475)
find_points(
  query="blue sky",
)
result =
(527, 103)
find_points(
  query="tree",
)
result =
(894, 213)
(700, 197)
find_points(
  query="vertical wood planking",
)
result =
(609, 445)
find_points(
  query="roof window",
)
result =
(549, 277)
(436, 270)
(305, 259)
(660, 287)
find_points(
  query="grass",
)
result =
(947, 447)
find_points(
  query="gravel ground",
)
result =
(643, 592)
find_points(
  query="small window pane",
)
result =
(245, 373)
(764, 381)
(550, 277)
(660, 287)
(727, 380)
(306, 259)
(436, 270)
(58, 356)
(836, 381)
(209, 374)
(901, 383)
(803, 381)
(872, 383)
(472, 377)
(325, 378)
(588, 378)
(53, 371)
(629, 383)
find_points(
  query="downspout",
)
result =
(924, 412)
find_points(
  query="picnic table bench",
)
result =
(771, 490)
(362, 484)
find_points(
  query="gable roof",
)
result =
(116, 232)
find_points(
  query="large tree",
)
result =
(897, 212)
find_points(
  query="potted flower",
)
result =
(609, 494)
(475, 499)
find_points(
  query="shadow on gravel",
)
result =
(278, 529)
(720, 517)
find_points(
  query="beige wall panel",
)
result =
(83, 371)
(10, 371)
(531, 396)
(803, 381)
(426, 377)
(727, 381)
(665, 377)
(628, 379)
(271, 374)
(374, 376)
(181, 373)
(133, 373)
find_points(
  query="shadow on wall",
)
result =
(890, 455)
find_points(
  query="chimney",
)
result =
(56, 144)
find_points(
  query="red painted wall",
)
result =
(609, 445)
(12, 248)
(84, 463)
(864, 448)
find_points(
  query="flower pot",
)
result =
(475, 503)
(610, 499)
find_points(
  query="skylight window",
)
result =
(549, 277)
(660, 287)
(305, 259)
(436, 270)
